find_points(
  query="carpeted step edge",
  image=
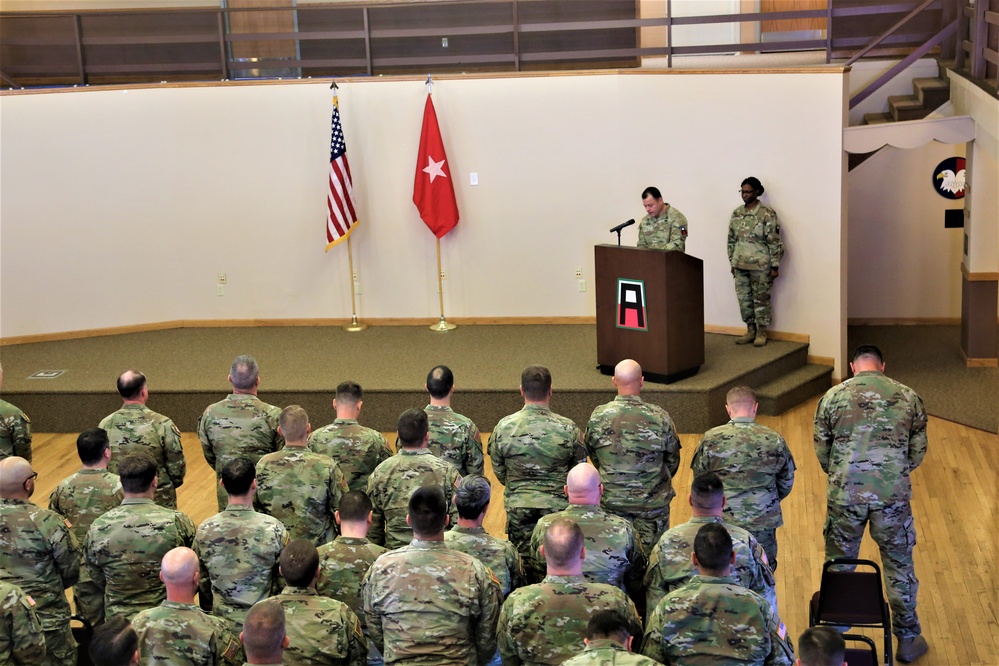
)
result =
(780, 395)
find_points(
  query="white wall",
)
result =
(120, 207)
(903, 263)
(865, 72)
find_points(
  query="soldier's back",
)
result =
(179, 634)
(453, 438)
(302, 489)
(84, 496)
(343, 564)
(607, 652)
(358, 450)
(15, 432)
(498, 554)
(21, 639)
(134, 428)
(321, 630)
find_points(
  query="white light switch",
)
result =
(473, 178)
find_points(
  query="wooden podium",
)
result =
(650, 308)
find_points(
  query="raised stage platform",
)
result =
(187, 369)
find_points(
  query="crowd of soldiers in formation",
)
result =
(329, 549)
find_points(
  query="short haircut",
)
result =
(244, 372)
(349, 392)
(136, 471)
(299, 562)
(821, 646)
(263, 628)
(754, 183)
(740, 395)
(114, 643)
(294, 423)
(563, 541)
(869, 351)
(91, 445)
(609, 624)
(238, 475)
(427, 510)
(652, 192)
(472, 496)
(707, 491)
(440, 381)
(713, 547)
(130, 384)
(354, 507)
(536, 382)
(412, 427)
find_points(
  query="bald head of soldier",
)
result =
(582, 484)
(180, 573)
(17, 480)
(713, 553)
(867, 358)
(294, 426)
(132, 387)
(628, 377)
(264, 636)
(707, 495)
(740, 402)
(563, 548)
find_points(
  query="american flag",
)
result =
(341, 216)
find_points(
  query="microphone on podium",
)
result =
(621, 226)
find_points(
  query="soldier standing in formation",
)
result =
(22, 640)
(264, 636)
(870, 433)
(15, 430)
(452, 437)
(609, 641)
(754, 251)
(664, 227)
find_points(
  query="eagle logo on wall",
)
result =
(948, 178)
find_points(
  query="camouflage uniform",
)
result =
(239, 551)
(240, 425)
(607, 652)
(15, 432)
(754, 249)
(302, 489)
(124, 549)
(545, 623)
(666, 232)
(713, 620)
(633, 444)
(21, 637)
(391, 484)
(80, 499)
(176, 634)
(758, 471)
(358, 450)
(497, 554)
(614, 554)
(455, 438)
(670, 567)
(321, 630)
(532, 451)
(39, 553)
(870, 433)
(135, 427)
(426, 603)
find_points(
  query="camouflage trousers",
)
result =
(767, 538)
(520, 522)
(752, 290)
(893, 529)
(60, 646)
(650, 525)
(89, 600)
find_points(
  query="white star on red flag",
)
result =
(433, 169)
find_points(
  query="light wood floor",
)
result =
(955, 505)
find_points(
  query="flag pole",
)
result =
(354, 326)
(442, 326)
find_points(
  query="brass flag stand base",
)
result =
(443, 326)
(354, 326)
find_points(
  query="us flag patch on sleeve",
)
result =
(231, 650)
(782, 631)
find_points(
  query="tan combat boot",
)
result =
(748, 337)
(761, 336)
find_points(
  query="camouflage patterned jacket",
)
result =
(756, 467)
(670, 566)
(21, 638)
(321, 630)
(302, 489)
(179, 634)
(358, 450)
(342, 566)
(135, 427)
(613, 550)
(715, 620)
(239, 550)
(635, 447)
(498, 554)
(391, 484)
(545, 623)
(124, 549)
(754, 242)
(666, 232)
(39, 553)
(15, 432)
(456, 439)
(607, 652)
(240, 425)
(426, 603)
(532, 451)
(870, 433)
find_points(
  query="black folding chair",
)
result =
(851, 598)
(82, 632)
(860, 656)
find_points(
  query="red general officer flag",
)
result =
(433, 190)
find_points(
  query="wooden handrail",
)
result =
(908, 17)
